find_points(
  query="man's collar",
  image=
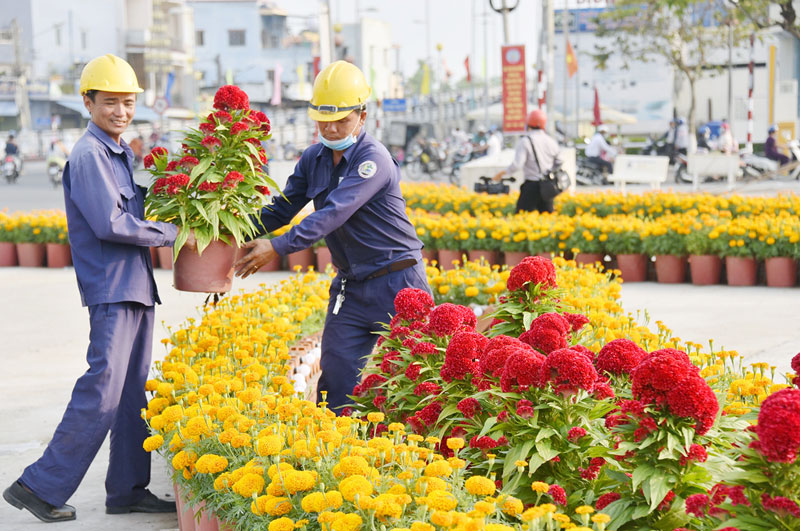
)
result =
(348, 151)
(105, 139)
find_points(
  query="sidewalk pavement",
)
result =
(44, 334)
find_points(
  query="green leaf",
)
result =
(546, 451)
(201, 209)
(527, 319)
(545, 433)
(641, 473)
(658, 489)
(183, 235)
(640, 511)
(200, 168)
(203, 237)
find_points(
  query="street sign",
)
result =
(394, 104)
(160, 105)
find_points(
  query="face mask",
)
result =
(340, 145)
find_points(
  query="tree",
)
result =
(756, 13)
(682, 32)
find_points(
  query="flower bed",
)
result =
(547, 424)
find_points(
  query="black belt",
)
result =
(394, 266)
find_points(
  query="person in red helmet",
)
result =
(536, 153)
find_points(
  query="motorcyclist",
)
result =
(599, 151)
(494, 144)
(57, 154)
(12, 150)
(704, 139)
(726, 143)
(480, 142)
(771, 149)
(682, 137)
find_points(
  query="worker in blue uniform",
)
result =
(110, 242)
(355, 186)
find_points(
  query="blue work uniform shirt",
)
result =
(108, 234)
(360, 210)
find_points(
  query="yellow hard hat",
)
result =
(109, 73)
(339, 89)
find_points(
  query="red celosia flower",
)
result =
(412, 371)
(593, 470)
(619, 356)
(427, 388)
(208, 127)
(670, 353)
(413, 304)
(576, 320)
(698, 453)
(695, 399)
(493, 361)
(232, 180)
(604, 500)
(558, 494)
(265, 125)
(148, 161)
(666, 502)
(522, 371)
(484, 443)
(231, 97)
(780, 505)
(616, 420)
(461, 355)
(189, 162)
(602, 390)
(379, 400)
(423, 348)
(502, 416)
(547, 333)
(223, 116)
(387, 365)
(658, 373)
(796, 363)
(399, 332)
(469, 407)
(211, 142)
(370, 382)
(525, 409)
(447, 319)
(585, 351)
(696, 504)
(208, 186)
(263, 190)
(238, 127)
(171, 165)
(778, 427)
(430, 413)
(575, 433)
(633, 407)
(567, 371)
(533, 269)
(179, 179)
(158, 151)
(160, 185)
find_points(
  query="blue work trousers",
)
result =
(110, 395)
(349, 336)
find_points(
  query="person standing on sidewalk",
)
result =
(534, 164)
(110, 250)
(360, 211)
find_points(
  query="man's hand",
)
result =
(499, 175)
(261, 253)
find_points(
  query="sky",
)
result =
(457, 24)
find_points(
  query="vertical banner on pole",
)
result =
(515, 100)
(772, 84)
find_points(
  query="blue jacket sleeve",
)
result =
(285, 207)
(352, 193)
(98, 197)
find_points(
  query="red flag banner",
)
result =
(597, 119)
(515, 95)
(572, 60)
(466, 65)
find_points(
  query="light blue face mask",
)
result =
(340, 145)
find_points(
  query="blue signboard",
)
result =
(394, 104)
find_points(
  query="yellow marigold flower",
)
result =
(240, 440)
(183, 459)
(497, 527)
(269, 445)
(601, 518)
(249, 484)
(158, 422)
(561, 518)
(512, 506)
(347, 522)
(540, 486)
(438, 469)
(480, 486)
(456, 463)
(375, 416)
(353, 485)
(455, 443)
(422, 526)
(172, 413)
(298, 481)
(211, 464)
(281, 524)
(471, 291)
(198, 427)
(584, 509)
(153, 442)
(151, 385)
(485, 507)
(441, 500)
(353, 465)
(442, 518)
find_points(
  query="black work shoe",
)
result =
(148, 504)
(20, 497)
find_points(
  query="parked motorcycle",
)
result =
(10, 169)
(55, 168)
(590, 173)
(677, 160)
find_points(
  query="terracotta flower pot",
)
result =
(633, 267)
(741, 270)
(447, 257)
(588, 258)
(781, 272)
(186, 520)
(491, 257)
(670, 269)
(512, 258)
(207, 520)
(164, 257)
(154, 257)
(58, 255)
(8, 254)
(31, 254)
(323, 258)
(706, 269)
(430, 255)
(304, 259)
(211, 272)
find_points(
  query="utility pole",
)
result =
(485, 66)
(550, 30)
(565, 29)
(23, 104)
(504, 10)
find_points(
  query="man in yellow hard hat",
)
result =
(110, 242)
(355, 186)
